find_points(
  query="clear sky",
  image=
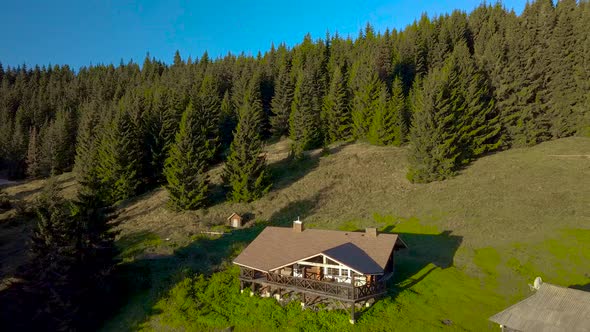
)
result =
(82, 32)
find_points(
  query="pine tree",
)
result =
(304, 122)
(187, 163)
(86, 164)
(227, 122)
(433, 151)
(58, 152)
(210, 109)
(365, 102)
(245, 168)
(33, 154)
(281, 103)
(388, 125)
(73, 255)
(119, 158)
(336, 110)
(479, 122)
(51, 272)
(161, 123)
(564, 92)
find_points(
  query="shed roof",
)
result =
(550, 308)
(234, 214)
(280, 246)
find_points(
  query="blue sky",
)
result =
(82, 32)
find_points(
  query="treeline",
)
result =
(66, 282)
(452, 87)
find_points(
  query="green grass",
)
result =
(434, 290)
(476, 241)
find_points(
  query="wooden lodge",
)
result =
(348, 267)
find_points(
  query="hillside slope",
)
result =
(507, 218)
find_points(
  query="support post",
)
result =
(352, 320)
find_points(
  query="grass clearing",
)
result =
(475, 240)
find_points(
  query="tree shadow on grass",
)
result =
(585, 287)
(423, 250)
(289, 170)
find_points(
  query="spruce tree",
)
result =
(281, 103)
(119, 158)
(86, 163)
(73, 255)
(433, 150)
(304, 122)
(33, 154)
(227, 122)
(58, 150)
(245, 168)
(564, 93)
(209, 105)
(187, 163)
(51, 273)
(365, 102)
(161, 123)
(388, 125)
(478, 121)
(336, 109)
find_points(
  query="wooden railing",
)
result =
(339, 290)
(335, 289)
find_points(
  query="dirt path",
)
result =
(5, 182)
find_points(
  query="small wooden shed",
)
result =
(235, 220)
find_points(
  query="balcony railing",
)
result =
(338, 290)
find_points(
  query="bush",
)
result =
(4, 201)
(215, 303)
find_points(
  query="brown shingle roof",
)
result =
(279, 246)
(550, 308)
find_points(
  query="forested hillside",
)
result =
(449, 89)
(454, 87)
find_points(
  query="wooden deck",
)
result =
(334, 290)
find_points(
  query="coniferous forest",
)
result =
(451, 88)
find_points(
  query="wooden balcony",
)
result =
(336, 290)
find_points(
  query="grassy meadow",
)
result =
(475, 241)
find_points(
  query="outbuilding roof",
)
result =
(279, 246)
(550, 308)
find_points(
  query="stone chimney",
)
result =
(298, 226)
(371, 231)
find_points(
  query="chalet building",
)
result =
(550, 309)
(349, 267)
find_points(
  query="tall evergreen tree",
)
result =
(336, 109)
(119, 158)
(478, 121)
(304, 122)
(186, 166)
(365, 102)
(210, 110)
(58, 152)
(227, 122)
(161, 123)
(33, 154)
(434, 151)
(86, 164)
(564, 93)
(388, 125)
(245, 168)
(281, 103)
(73, 255)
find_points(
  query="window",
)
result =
(333, 271)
